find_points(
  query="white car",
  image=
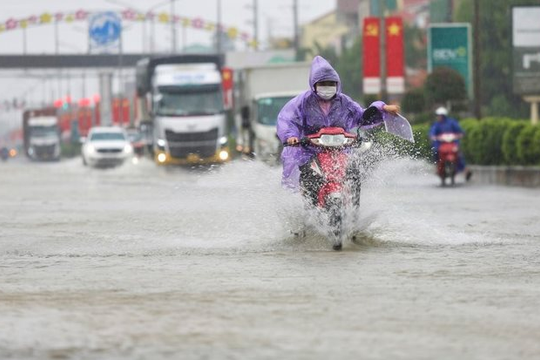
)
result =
(106, 146)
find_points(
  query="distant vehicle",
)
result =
(262, 92)
(181, 103)
(41, 134)
(136, 138)
(447, 161)
(4, 153)
(106, 147)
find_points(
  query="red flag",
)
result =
(395, 68)
(227, 83)
(371, 55)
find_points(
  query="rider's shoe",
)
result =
(468, 175)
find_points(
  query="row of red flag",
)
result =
(394, 59)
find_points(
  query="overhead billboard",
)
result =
(526, 49)
(449, 45)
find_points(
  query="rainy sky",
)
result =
(275, 19)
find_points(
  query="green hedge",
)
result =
(528, 145)
(420, 149)
(509, 143)
(494, 141)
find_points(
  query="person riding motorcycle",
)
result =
(445, 124)
(323, 105)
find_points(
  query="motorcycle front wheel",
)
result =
(335, 219)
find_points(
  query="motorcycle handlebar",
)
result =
(301, 142)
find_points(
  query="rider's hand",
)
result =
(292, 140)
(392, 109)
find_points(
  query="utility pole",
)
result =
(173, 28)
(256, 23)
(24, 41)
(382, 51)
(218, 28)
(477, 92)
(56, 41)
(295, 27)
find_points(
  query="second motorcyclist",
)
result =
(445, 124)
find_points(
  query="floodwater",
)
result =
(143, 262)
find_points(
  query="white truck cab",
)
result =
(43, 138)
(188, 119)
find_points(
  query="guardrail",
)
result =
(524, 176)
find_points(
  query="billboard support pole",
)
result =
(476, 74)
(534, 100)
(382, 51)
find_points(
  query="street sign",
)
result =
(526, 49)
(450, 45)
(104, 31)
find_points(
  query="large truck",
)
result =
(181, 108)
(41, 134)
(263, 91)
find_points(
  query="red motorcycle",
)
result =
(331, 180)
(328, 180)
(447, 160)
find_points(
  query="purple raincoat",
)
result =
(303, 116)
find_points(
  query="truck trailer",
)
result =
(181, 105)
(263, 91)
(41, 134)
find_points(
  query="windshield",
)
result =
(44, 131)
(133, 137)
(268, 109)
(188, 100)
(107, 136)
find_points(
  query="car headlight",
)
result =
(128, 148)
(90, 149)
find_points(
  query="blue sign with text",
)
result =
(104, 30)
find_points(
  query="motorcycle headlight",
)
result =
(223, 140)
(331, 140)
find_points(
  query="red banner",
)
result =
(371, 55)
(227, 75)
(395, 68)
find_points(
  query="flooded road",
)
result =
(143, 262)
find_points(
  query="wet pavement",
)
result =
(143, 262)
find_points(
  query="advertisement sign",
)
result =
(450, 45)
(395, 66)
(104, 31)
(371, 55)
(526, 49)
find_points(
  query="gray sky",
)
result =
(73, 36)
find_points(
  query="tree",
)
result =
(349, 68)
(444, 85)
(415, 47)
(496, 55)
(414, 101)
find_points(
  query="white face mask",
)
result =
(326, 92)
